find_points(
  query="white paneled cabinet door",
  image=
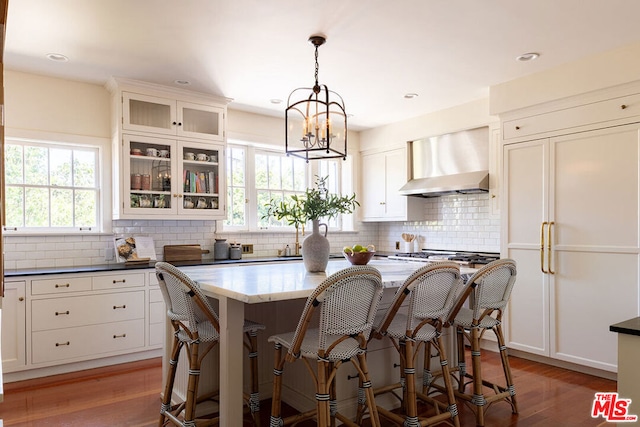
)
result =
(526, 192)
(13, 326)
(571, 223)
(595, 242)
(396, 177)
(373, 174)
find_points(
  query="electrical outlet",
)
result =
(397, 246)
(247, 249)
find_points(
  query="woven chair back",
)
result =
(185, 301)
(494, 283)
(348, 301)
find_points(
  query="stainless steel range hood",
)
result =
(449, 164)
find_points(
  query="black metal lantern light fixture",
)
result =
(315, 119)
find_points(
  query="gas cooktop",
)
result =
(463, 258)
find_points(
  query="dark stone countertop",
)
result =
(121, 266)
(629, 327)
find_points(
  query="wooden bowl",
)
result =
(359, 258)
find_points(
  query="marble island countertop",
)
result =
(276, 282)
(121, 266)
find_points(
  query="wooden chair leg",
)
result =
(478, 398)
(254, 397)
(462, 364)
(171, 376)
(276, 415)
(506, 367)
(369, 396)
(427, 376)
(192, 384)
(322, 394)
(410, 385)
(448, 384)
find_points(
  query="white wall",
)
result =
(44, 107)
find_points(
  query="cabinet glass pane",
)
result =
(150, 114)
(200, 178)
(150, 180)
(200, 121)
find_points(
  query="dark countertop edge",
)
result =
(629, 327)
(121, 266)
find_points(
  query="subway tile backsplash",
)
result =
(456, 222)
(460, 222)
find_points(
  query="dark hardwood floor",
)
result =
(128, 395)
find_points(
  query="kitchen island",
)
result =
(239, 287)
(628, 356)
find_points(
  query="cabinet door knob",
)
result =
(623, 107)
(21, 299)
(517, 127)
(174, 123)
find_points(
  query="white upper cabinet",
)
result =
(165, 116)
(383, 174)
(169, 152)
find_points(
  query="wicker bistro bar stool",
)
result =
(195, 322)
(435, 292)
(347, 302)
(492, 289)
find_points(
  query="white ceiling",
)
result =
(448, 52)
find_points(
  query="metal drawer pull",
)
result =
(120, 336)
(58, 313)
(115, 307)
(119, 281)
(66, 285)
(58, 344)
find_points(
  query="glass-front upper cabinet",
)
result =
(145, 113)
(172, 179)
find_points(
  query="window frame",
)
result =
(103, 181)
(344, 222)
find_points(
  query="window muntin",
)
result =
(51, 186)
(257, 175)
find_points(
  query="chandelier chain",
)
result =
(317, 66)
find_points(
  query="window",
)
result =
(255, 176)
(51, 186)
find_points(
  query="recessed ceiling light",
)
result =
(410, 95)
(58, 57)
(276, 101)
(527, 57)
(182, 82)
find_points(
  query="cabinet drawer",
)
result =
(60, 286)
(157, 312)
(87, 341)
(56, 313)
(118, 280)
(156, 334)
(570, 118)
(155, 295)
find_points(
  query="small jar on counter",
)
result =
(221, 249)
(235, 251)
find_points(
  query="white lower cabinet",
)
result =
(571, 221)
(13, 326)
(99, 318)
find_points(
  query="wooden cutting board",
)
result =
(174, 253)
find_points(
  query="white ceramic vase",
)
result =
(315, 249)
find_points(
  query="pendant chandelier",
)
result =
(315, 125)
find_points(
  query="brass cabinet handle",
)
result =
(119, 281)
(115, 307)
(66, 285)
(551, 224)
(542, 247)
(58, 344)
(120, 336)
(60, 313)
